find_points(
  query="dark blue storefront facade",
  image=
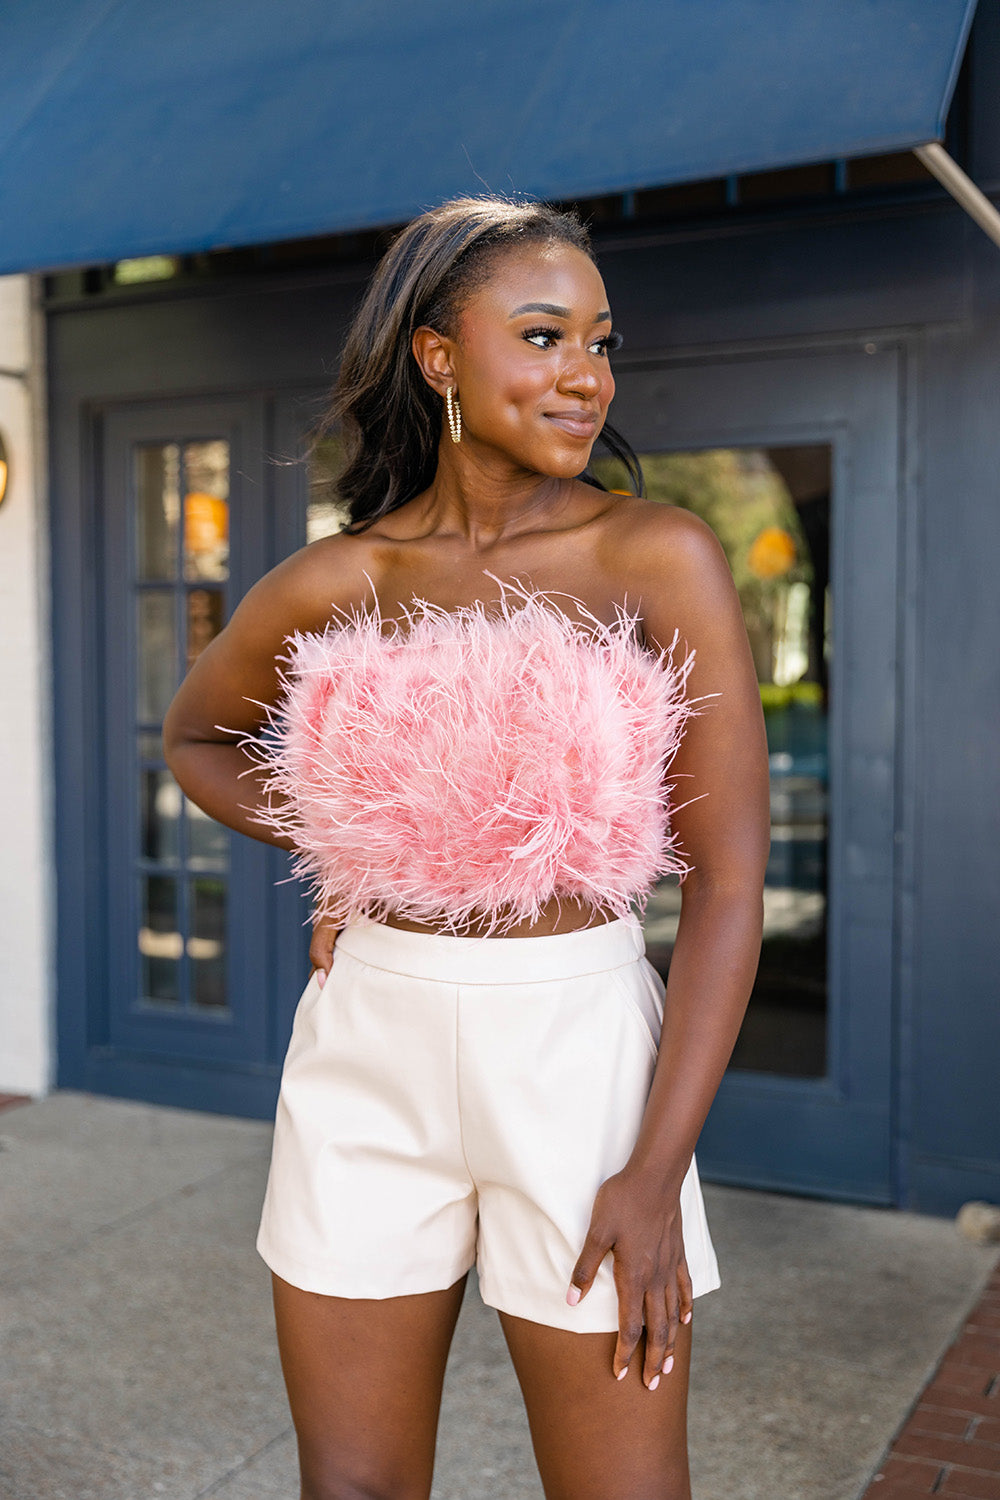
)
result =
(863, 324)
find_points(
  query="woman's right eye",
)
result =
(542, 338)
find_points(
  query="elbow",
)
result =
(733, 882)
(733, 901)
(173, 738)
(731, 867)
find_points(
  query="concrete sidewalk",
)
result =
(137, 1355)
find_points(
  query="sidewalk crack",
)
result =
(217, 1484)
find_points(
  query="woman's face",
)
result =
(530, 360)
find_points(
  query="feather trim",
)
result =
(475, 765)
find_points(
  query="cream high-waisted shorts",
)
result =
(447, 1101)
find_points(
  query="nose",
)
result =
(578, 377)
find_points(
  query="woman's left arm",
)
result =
(724, 832)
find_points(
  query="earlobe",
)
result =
(432, 352)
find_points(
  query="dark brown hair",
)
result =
(390, 418)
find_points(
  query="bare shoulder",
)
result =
(657, 551)
(338, 572)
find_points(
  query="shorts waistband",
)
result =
(494, 960)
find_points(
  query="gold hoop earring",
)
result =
(454, 414)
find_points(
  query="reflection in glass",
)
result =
(160, 941)
(206, 510)
(325, 512)
(207, 944)
(770, 508)
(205, 611)
(181, 568)
(207, 840)
(158, 510)
(157, 664)
(160, 816)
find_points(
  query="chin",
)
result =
(564, 465)
(565, 472)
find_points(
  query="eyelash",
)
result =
(608, 344)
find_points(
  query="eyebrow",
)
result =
(554, 311)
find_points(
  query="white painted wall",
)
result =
(27, 985)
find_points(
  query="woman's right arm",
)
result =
(238, 672)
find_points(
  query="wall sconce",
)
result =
(4, 469)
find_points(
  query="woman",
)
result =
(458, 712)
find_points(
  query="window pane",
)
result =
(207, 944)
(206, 510)
(208, 841)
(157, 664)
(770, 508)
(160, 815)
(160, 942)
(158, 510)
(205, 611)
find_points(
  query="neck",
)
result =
(484, 503)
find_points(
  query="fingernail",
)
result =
(320, 978)
(622, 1373)
(573, 1295)
(668, 1364)
(654, 1382)
(686, 1318)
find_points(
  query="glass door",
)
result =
(792, 461)
(189, 1003)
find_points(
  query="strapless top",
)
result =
(468, 764)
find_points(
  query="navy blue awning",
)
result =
(129, 127)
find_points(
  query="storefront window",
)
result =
(770, 508)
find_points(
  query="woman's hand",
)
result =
(642, 1228)
(321, 948)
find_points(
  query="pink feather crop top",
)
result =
(474, 765)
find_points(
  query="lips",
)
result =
(579, 424)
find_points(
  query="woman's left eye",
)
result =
(608, 344)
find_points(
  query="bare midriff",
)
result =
(555, 917)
